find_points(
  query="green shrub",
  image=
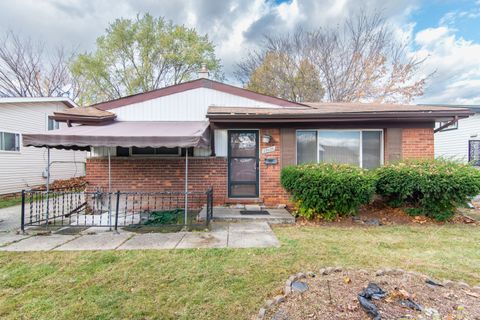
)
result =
(430, 188)
(328, 190)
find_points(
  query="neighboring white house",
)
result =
(24, 167)
(460, 141)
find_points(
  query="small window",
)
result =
(53, 125)
(123, 152)
(162, 151)
(9, 141)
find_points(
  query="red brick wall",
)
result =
(163, 174)
(270, 189)
(417, 143)
(160, 174)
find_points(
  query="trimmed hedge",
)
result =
(328, 190)
(430, 188)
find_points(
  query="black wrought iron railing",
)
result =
(117, 209)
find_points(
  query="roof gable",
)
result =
(194, 84)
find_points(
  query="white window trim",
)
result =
(54, 122)
(382, 142)
(19, 142)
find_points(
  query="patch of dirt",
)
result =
(334, 296)
(473, 213)
(378, 213)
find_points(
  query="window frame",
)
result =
(470, 160)
(56, 124)
(360, 152)
(16, 133)
(296, 143)
(178, 154)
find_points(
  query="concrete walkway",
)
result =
(222, 235)
(10, 218)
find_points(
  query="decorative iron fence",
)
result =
(116, 209)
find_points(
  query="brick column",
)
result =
(417, 143)
(271, 190)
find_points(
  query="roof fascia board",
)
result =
(69, 103)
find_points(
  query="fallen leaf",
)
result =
(472, 294)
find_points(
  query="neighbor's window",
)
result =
(357, 147)
(163, 151)
(474, 152)
(52, 124)
(9, 141)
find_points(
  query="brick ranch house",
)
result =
(236, 140)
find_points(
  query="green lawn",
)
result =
(218, 283)
(10, 202)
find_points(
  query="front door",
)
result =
(243, 163)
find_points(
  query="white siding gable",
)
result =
(190, 105)
(453, 144)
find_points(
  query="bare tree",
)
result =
(28, 70)
(361, 60)
(283, 70)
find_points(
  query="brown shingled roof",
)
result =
(337, 111)
(84, 115)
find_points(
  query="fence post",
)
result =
(117, 206)
(22, 225)
(211, 202)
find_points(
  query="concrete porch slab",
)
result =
(152, 241)
(39, 243)
(102, 241)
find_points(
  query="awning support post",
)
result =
(48, 185)
(186, 187)
(109, 190)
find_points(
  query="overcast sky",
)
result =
(447, 32)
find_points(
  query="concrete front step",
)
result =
(276, 216)
(256, 219)
(235, 201)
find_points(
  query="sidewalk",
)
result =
(222, 235)
(10, 218)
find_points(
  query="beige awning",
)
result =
(141, 134)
